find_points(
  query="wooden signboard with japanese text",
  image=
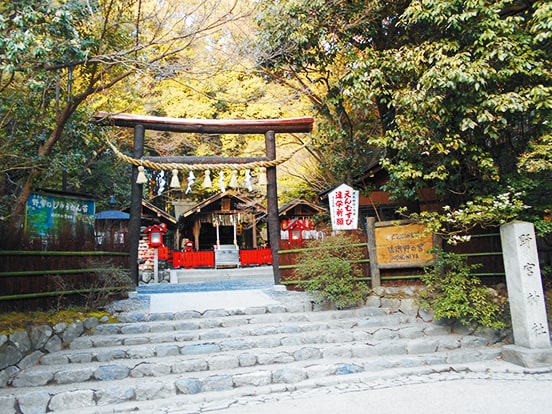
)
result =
(403, 246)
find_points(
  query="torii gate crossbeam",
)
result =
(268, 127)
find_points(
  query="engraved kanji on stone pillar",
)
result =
(525, 293)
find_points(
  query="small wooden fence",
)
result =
(483, 249)
(35, 280)
(206, 258)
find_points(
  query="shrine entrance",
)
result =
(268, 127)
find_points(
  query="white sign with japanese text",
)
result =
(344, 208)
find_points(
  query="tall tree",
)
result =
(311, 47)
(57, 56)
(452, 94)
(470, 92)
(221, 82)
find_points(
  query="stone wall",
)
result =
(24, 348)
(402, 299)
(148, 276)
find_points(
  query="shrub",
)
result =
(452, 292)
(327, 270)
(109, 283)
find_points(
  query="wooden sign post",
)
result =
(398, 245)
(406, 245)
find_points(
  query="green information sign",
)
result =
(49, 214)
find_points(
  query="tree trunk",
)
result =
(18, 212)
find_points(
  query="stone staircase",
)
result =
(185, 359)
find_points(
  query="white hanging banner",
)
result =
(344, 208)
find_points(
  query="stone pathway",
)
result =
(479, 388)
(239, 357)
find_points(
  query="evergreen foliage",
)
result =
(454, 293)
(448, 94)
(327, 270)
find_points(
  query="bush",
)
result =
(109, 283)
(327, 270)
(452, 292)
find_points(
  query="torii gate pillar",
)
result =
(272, 205)
(135, 206)
(268, 127)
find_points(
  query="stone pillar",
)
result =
(526, 297)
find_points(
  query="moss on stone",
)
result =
(13, 321)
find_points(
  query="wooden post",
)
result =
(196, 230)
(135, 206)
(254, 232)
(374, 268)
(272, 201)
(156, 265)
(234, 228)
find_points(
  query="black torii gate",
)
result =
(268, 127)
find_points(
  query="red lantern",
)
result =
(155, 235)
(189, 246)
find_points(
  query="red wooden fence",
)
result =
(206, 258)
(249, 257)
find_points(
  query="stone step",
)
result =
(110, 348)
(189, 330)
(128, 393)
(256, 314)
(212, 356)
(155, 357)
(223, 319)
(224, 274)
(266, 338)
